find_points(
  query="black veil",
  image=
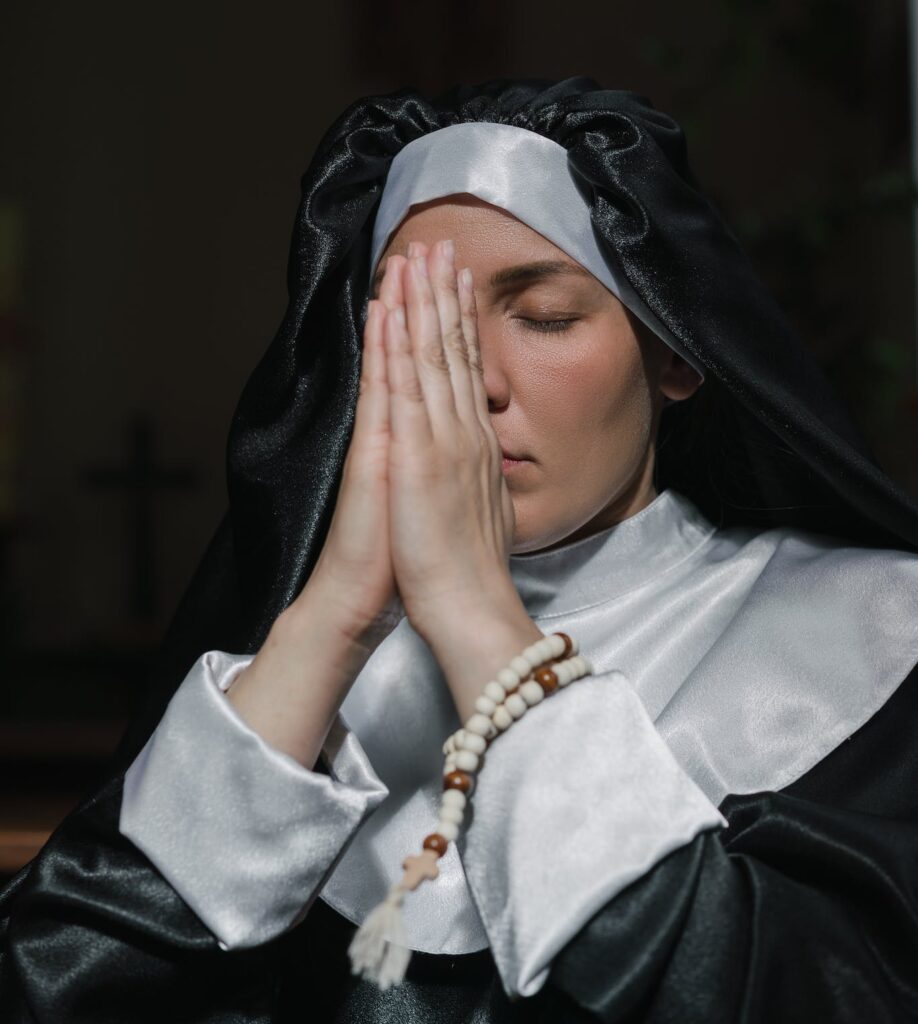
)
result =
(764, 441)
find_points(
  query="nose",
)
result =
(493, 362)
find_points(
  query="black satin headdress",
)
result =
(765, 440)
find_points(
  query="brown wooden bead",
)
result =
(568, 645)
(437, 843)
(458, 780)
(546, 679)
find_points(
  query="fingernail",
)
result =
(466, 275)
(450, 251)
(412, 249)
(421, 263)
(400, 315)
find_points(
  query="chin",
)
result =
(527, 540)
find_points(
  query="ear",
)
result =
(678, 379)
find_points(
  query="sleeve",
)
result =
(92, 931)
(560, 826)
(267, 831)
(805, 907)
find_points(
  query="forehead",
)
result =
(485, 236)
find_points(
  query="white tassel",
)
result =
(378, 950)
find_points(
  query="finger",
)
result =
(391, 290)
(371, 422)
(469, 312)
(407, 406)
(431, 365)
(446, 294)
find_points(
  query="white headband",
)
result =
(518, 170)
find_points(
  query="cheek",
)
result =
(599, 399)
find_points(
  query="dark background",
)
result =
(149, 181)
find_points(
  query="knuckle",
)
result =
(455, 339)
(474, 357)
(433, 355)
(410, 389)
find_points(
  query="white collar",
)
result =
(610, 563)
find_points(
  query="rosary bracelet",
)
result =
(377, 950)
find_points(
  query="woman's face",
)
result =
(574, 382)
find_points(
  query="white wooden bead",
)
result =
(472, 741)
(563, 672)
(546, 650)
(516, 705)
(485, 705)
(558, 648)
(449, 765)
(450, 813)
(453, 797)
(502, 718)
(521, 666)
(447, 829)
(508, 679)
(532, 657)
(495, 691)
(450, 745)
(466, 760)
(478, 723)
(531, 692)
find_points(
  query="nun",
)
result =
(555, 659)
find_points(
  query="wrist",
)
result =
(459, 612)
(472, 648)
(338, 609)
(315, 622)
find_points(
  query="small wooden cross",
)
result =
(418, 867)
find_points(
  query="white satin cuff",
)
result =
(244, 833)
(556, 830)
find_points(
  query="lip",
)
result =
(510, 457)
(509, 463)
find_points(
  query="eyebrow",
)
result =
(519, 276)
(527, 273)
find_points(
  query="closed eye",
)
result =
(548, 326)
